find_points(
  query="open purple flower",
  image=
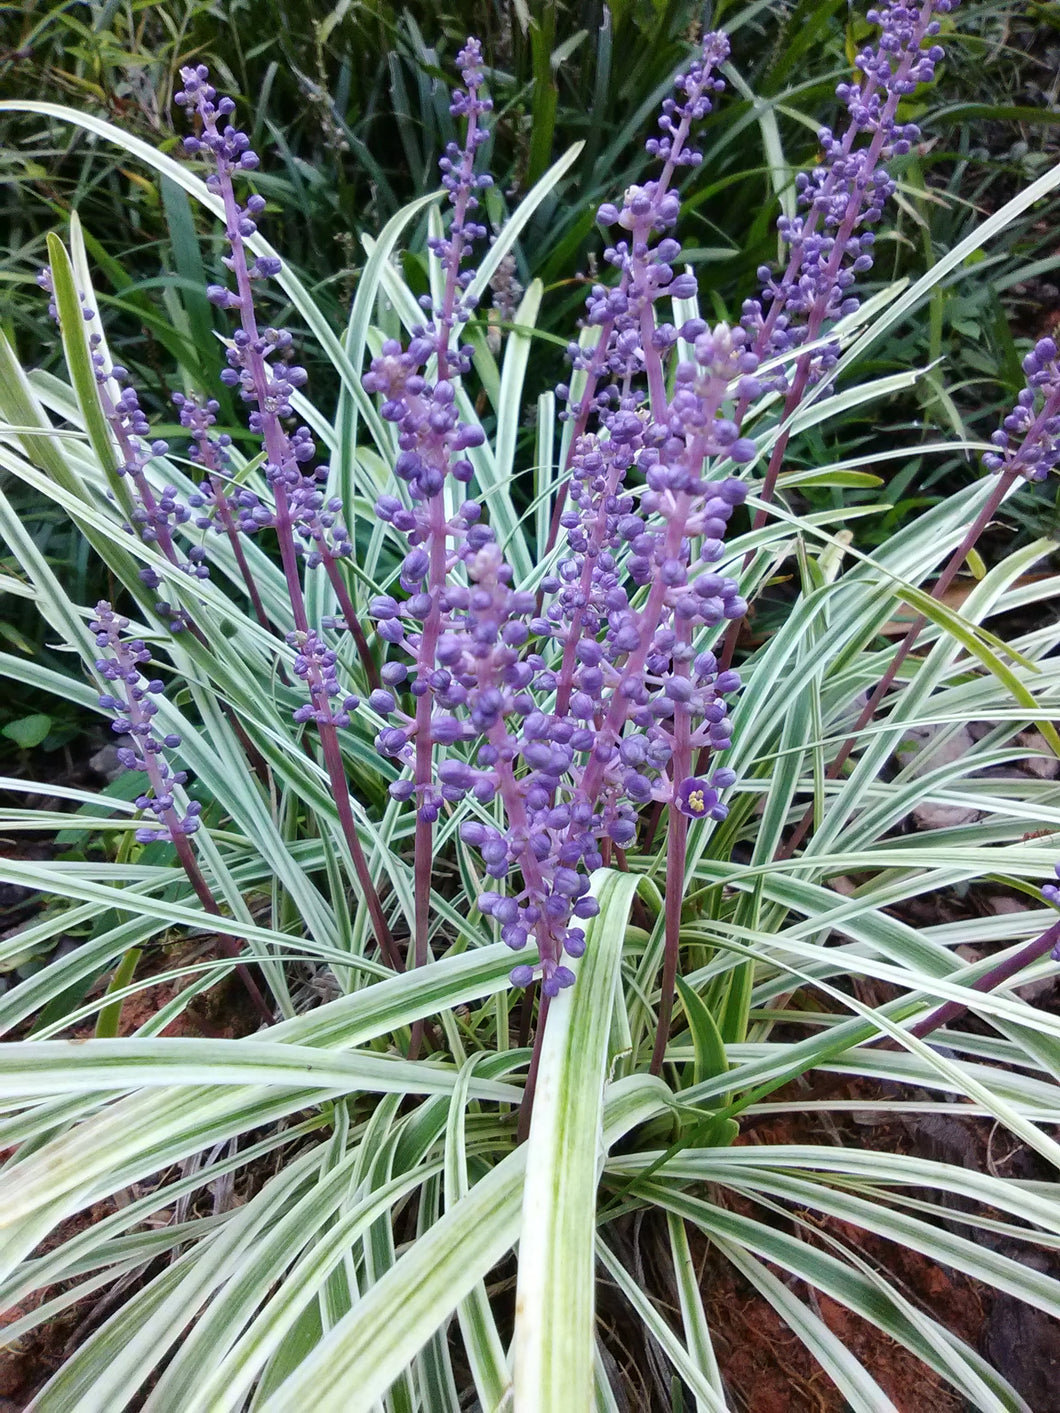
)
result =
(696, 798)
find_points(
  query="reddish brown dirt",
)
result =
(222, 1013)
(31, 1361)
(766, 1367)
(768, 1370)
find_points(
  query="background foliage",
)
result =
(328, 1215)
(351, 102)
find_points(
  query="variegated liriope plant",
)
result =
(400, 689)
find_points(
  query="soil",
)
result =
(28, 1363)
(767, 1369)
(225, 1012)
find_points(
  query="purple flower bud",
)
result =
(568, 882)
(678, 689)
(417, 563)
(574, 942)
(456, 773)
(560, 978)
(391, 631)
(445, 730)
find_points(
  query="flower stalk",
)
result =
(1035, 424)
(129, 699)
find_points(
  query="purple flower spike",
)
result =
(829, 241)
(646, 252)
(306, 522)
(154, 514)
(260, 367)
(459, 639)
(576, 711)
(315, 663)
(1028, 440)
(129, 700)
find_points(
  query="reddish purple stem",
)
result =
(945, 579)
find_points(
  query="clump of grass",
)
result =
(406, 689)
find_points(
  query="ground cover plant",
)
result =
(528, 880)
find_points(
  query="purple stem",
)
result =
(349, 613)
(591, 379)
(228, 944)
(235, 540)
(278, 451)
(530, 868)
(526, 1108)
(186, 854)
(997, 976)
(467, 167)
(676, 858)
(143, 486)
(565, 680)
(657, 395)
(676, 855)
(945, 579)
(432, 627)
(277, 446)
(329, 740)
